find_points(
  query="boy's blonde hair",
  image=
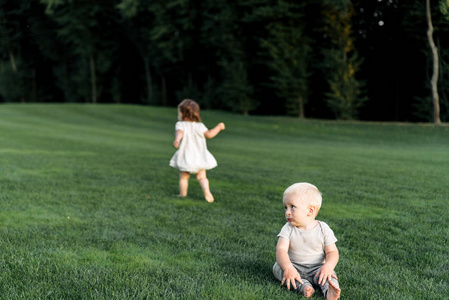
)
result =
(306, 191)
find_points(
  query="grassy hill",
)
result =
(89, 207)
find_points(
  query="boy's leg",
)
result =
(183, 183)
(331, 291)
(204, 182)
(305, 288)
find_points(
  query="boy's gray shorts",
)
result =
(307, 274)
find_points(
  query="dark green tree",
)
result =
(224, 25)
(341, 62)
(137, 23)
(175, 32)
(288, 52)
(416, 24)
(84, 28)
(18, 51)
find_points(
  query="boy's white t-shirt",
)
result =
(192, 154)
(307, 246)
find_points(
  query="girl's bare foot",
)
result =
(333, 293)
(308, 290)
(208, 196)
(181, 196)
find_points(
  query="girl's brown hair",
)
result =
(190, 110)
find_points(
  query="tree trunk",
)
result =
(34, 87)
(434, 80)
(148, 79)
(164, 92)
(301, 108)
(13, 62)
(93, 79)
(67, 97)
(14, 69)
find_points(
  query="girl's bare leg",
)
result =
(183, 183)
(204, 182)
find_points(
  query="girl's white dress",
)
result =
(192, 155)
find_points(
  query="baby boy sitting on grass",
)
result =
(306, 254)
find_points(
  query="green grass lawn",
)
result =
(89, 207)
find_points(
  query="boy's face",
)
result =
(297, 212)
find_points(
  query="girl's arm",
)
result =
(214, 131)
(290, 272)
(178, 137)
(327, 270)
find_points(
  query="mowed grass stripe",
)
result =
(89, 206)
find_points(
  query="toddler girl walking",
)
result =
(192, 156)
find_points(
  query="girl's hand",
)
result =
(178, 137)
(325, 273)
(290, 277)
(214, 131)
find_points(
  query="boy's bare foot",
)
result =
(181, 196)
(208, 196)
(308, 290)
(333, 293)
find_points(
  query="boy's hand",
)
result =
(221, 126)
(290, 276)
(325, 273)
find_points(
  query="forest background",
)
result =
(334, 59)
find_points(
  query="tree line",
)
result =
(339, 59)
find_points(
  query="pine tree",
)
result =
(19, 55)
(84, 27)
(137, 23)
(224, 26)
(342, 64)
(288, 52)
